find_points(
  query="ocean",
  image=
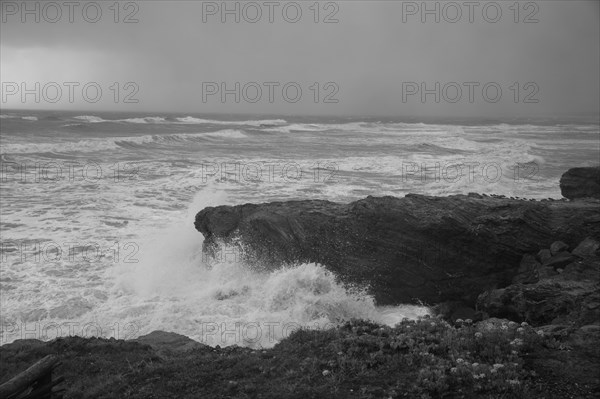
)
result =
(97, 212)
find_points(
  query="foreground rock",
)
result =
(167, 342)
(581, 183)
(411, 249)
(564, 292)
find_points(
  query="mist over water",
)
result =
(129, 186)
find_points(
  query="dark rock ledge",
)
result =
(424, 249)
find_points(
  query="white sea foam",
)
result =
(227, 133)
(90, 118)
(172, 287)
(187, 296)
(88, 145)
(112, 143)
(199, 121)
(148, 119)
(190, 120)
(11, 116)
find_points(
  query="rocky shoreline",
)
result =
(421, 249)
(515, 284)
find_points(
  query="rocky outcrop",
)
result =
(581, 183)
(411, 249)
(168, 342)
(566, 291)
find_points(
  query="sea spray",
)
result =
(172, 287)
(224, 302)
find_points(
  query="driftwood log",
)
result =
(34, 383)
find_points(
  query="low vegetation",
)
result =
(427, 358)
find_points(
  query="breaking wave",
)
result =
(112, 143)
(183, 120)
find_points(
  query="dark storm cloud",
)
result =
(368, 55)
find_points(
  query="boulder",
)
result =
(544, 254)
(528, 271)
(558, 246)
(587, 248)
(560, 260)
(581, 183)
(164, 342)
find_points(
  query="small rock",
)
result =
(560, 260)
(326, 373)
(587, 248)
(558, 246)
(163, 341)
(544, 255)
(528, 271)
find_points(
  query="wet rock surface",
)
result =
(581, 183)
(411, 249)
(566, 292)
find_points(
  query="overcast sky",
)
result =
(171, 55)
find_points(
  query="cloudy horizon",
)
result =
(341, 58)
